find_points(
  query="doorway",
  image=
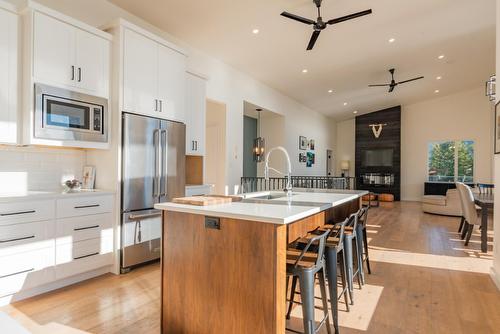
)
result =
(215, 159)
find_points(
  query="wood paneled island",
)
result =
(224, 266)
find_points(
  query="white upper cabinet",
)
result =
(153, 77)
(140, 75)
(195, 114)
(8, 76)
(171, 83)
(67, 56)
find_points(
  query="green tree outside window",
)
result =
(451, 161)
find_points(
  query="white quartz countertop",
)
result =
(6, 197)
(276, 210)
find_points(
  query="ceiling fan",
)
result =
(319, 24)
(393, 82)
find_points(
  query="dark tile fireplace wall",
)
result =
(389, 138)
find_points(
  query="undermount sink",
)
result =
(270, 196)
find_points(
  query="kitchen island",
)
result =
(224, 266)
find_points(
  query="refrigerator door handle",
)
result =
(157, 147)
(163, 177)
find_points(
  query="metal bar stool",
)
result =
(334, 256)
(363, 243)
(351, 246)
(304, 266)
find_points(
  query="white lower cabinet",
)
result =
(47, 240)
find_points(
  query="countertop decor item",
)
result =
(72, 186)
(88, 177)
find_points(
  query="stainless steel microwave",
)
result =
(62, 114)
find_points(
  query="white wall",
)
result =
(272, 127)
(345, 145)
(495, 270)
(227, 85)
(465, 115)
(29, 168)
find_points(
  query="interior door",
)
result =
(92, 59)
(140, 151)
(54, 51)
(140, 74)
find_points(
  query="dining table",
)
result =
(486, 202)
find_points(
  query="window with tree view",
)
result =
(451, 161)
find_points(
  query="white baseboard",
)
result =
(54, 285)
(495, 276)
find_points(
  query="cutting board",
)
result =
(205, 200)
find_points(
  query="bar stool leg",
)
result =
(292, 296)
(331, 273)
(359, 266)
(349, 266)
(359, 251)
(343, 274)
(365, 243)
(324, 300)
(306, 283)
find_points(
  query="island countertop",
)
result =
(276, 210)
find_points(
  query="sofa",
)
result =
(448, 205)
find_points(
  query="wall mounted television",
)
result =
(381, 157)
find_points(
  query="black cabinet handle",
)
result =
(84, 256)
(16, 239)
(79, 74)
(85, 228)
(17, 273)
(72, 73)
(87, 206)
(17, 213)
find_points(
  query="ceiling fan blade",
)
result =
(298, 18)
(349, 17)
(314, 38)
(401, 82)
(381, 85)
(391, 89)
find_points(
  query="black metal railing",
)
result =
(251, 184)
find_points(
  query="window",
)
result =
(451, 161)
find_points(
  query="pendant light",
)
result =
(259, 143)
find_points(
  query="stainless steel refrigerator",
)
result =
(153, 171)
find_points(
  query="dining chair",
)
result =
(461, 197)
(470, 212)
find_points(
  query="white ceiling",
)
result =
(347, 56)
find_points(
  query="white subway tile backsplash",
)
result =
(39, 168)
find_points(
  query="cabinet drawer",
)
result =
(70, 230)
(24, 212)
(81, 206)
(82, 256)
(25, 237)
(26, 270)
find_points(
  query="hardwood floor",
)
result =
(424, 281)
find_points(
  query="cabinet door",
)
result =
(8, 78)
(171, 83)
(196, 110)
(54, 51)
(140, 74)
(92, 61)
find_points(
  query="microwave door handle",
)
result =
(164, 176)
(156, 140)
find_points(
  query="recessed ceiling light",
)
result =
(438, 78)
(304, 70)
(436, 91)
(330, 91)
(255, 31)
(441, 57)
(345, 103)
(355, 112)
(392, 40)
